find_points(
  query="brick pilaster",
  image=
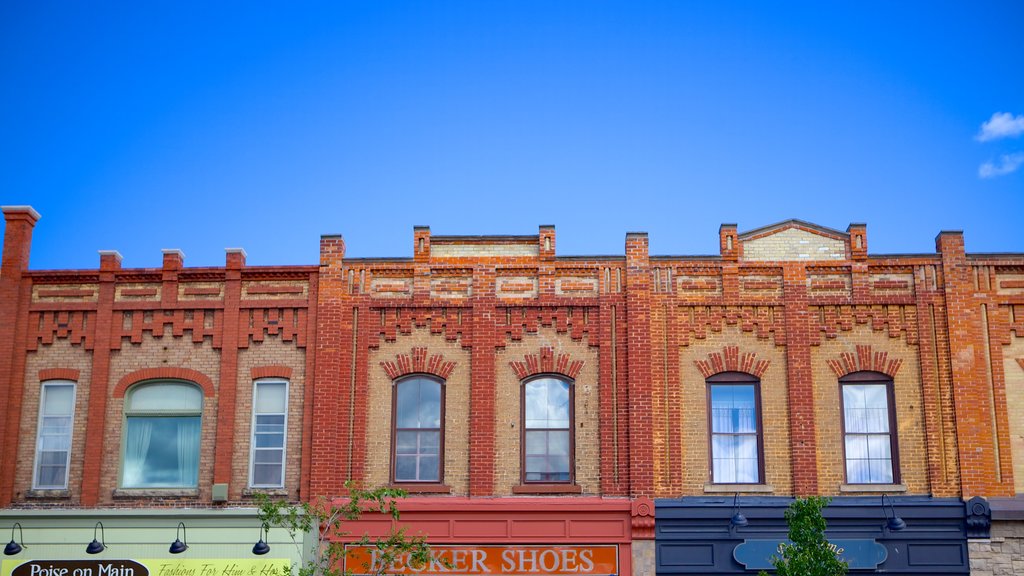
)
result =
(482, 384)
(228, 390)
(638, 316)
(803, 444)
(15, 294)
(331, 403)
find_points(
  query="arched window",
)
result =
(547, 438)
(161, 438)
(269, 424)
(53, 436)
(734, 415)
(418, 430)
(869, 428)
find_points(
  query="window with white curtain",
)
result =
(269, 423)
(161, 438)
(53, 436)
(735, 423)
(869, 437)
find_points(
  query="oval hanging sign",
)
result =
(860, 554)
(80, 568)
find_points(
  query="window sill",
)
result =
(417, 488)
(547, 489)
(48, 493)
(283, 492)
(733, 488)
(156, 492)
(873, 488)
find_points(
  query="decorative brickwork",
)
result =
(165, 374)
(546, 361)
(416, 361)
(59, 374)
(258, 372)
(865, 359)
(731, 360)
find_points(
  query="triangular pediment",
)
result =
(794, 240)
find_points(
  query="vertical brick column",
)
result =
(482, 384)
(99, 386)
(228, 390)
(638, 342)
(333, 349)
(803, 445)
(421, 265)
(976, 436)
(14, 299)
(729, 245)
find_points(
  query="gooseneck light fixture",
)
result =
(738, 520)
(178, 546)
(261, 547)
(97, 546)
(13, 547)
(893, 523)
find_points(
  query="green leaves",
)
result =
(810, 554)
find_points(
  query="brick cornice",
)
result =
(58, 374)
(545, 361)
(199, 378)
(730, 359)
(271, 372)
(865, 360)
(417, 362)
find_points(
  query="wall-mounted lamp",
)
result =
(97, 546)
(13, 547)
(261, 547)
(738, 520)
(177, 547)
(894, 523)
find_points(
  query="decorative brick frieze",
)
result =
(417, 362)
(865, 359)
(546, 362)
(731, 360)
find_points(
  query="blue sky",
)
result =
(199, 126)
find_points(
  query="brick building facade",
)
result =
(563, 401)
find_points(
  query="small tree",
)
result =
(324, 519)
(810, 554)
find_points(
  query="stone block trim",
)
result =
(731, 360)
(848, 363)
(59, 374)
(258, 372)
(544, 362)
(195, 376)
(417, 362)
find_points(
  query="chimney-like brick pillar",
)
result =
(858, 241)
(729, 242)
(638, 354)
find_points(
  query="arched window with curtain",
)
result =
(869, 428)
(418, 430)
(161, 438)
(547, 438)
(734, 421)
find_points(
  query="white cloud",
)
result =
(1006, 164)
(1001, 125)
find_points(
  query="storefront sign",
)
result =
(861, 554)
(161, 567)
(497, 560)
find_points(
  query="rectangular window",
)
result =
(270, 418)
(734, 435)
(53, 437)
(868, 439)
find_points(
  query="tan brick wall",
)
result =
(693, 423)
(909, 409)
(61, 354)
(457, 413)
(793, 244)
(1002, 555)
(480, 250)
(586, 411)
(1014, 374)
(271, 352)
(155, 353)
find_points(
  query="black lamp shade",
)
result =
(261, 548)
(738, 520)
(896, 524)
(177, 547)
(12, 548)
(95, 547)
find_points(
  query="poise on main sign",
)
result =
(497, 560)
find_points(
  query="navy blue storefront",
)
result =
(695, 535)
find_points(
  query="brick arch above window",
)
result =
(166, 373)
(545, 361)
(271, 372)
(730, 359)
(59, 374)
(865, 360)
(417, 362)
(1021, 362)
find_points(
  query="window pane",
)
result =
(419, 403)
(546, 403)
(269, 456)
(161, 452)
(58, 399)
(53, 441)
(430, 442)
(733, 409)
(51, 476)
(430, 404)
(868, 443)
(879, 446)
(405, 443)
(271, 397)
(857, 472)
(428, 469)
(166, 397)
(405, 467)
(267, 475)
(558, 444)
